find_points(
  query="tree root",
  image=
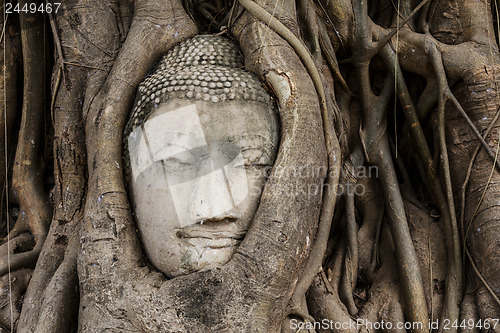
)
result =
(323, 303)
(454, 277)
(469, 311)
(487, 307)
(376, 146)
(369, 231)
(331, 59)
(18, 253)
(111, 256)
(307, 12)
(19, 227)
(110, 242)
(332, 147)
(60, 299)
(54, 280)
(11, 48)
(452, 299)
(428, 239)
(11, 296)
(108, 233)
(350, 274)
(27, 175)
(480, 277)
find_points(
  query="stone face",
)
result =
(199, 144)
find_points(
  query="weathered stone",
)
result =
(197, 156)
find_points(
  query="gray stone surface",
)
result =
(199, 143)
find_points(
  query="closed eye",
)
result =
(253, 166)
(174, 161)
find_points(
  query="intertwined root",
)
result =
(352, 267)
(11, 295)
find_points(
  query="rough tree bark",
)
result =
(408, 88)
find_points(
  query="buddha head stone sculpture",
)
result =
(201, 137)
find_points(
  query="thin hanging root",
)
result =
(60, 61)
(380, 45)
(451, 205)
(480, 276)
(431, 287)
(54, 94)
(331, 59)
(482, 196)
(445, 90)
(60, 56)
(27, 177)
(313, 266)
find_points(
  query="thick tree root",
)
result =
(11, 48)
(19, 252)
(109, 238)
(332, 147)
(27, 175)
(54, 282)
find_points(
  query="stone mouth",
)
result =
(223, 228)
(199, 231)
(201, 237)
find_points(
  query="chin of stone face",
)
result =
(199, 143)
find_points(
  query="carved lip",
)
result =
(211, 239)
(210, 234)
(220, 234)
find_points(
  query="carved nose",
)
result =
(211, 199)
